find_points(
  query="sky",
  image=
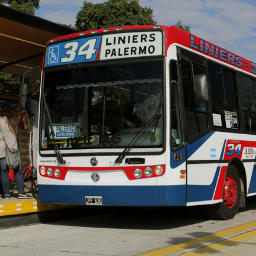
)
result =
(230, 24)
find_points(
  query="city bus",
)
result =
(146, 116)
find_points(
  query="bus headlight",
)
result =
(159, 170)
(148, 171)
(57, 173)
(49, 171)
(137, 173)
(42, 170)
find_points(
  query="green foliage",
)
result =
(113, 13)
(69, 26)
(27, 6)
(179, 25)
(11, 84)
(24, 7)
(33, 3)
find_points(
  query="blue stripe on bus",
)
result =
(222, 151)
(192, 148)
(252, 186)
(114, 195)
(197, 193)
(175, 164)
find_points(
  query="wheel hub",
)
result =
(231, 191)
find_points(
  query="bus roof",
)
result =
(174, 35)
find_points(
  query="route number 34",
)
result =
(234, 149)
(88, 49)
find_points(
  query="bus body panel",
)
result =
(114, 195)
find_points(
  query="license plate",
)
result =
(93, 200)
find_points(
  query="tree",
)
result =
(11, 84)
(34, 3)
(113, 13)
(27, 6)
(179, 25)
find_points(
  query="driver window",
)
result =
(196, 115)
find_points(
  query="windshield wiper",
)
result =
(153, 122)
(59, 156)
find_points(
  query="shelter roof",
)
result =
(23, 38)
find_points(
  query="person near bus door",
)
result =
(11, 120)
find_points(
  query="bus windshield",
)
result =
(102, 106)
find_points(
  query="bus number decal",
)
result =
(76, 51)
(89, 51)
(86, 49)
(71, 52)
(234, 149)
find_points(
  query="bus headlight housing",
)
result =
(42, 170)
(137, 173)
(57, 173)
(159, 170)
(148, 171)
(49, 171)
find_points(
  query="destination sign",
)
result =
(130, 45)
(112, 46)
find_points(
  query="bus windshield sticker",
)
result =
(231, 119)
(217, 120)
(65, 131)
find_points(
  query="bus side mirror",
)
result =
(23, 96)
(201, 88)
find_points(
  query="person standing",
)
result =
(11, 120)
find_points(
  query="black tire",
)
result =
(228, 208)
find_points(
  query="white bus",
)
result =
(146, 116)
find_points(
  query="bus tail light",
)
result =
(159, 170)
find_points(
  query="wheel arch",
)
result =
(241, 171)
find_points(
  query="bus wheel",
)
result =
(232, 193)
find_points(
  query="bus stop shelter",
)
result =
(22, 44)
(22, 40)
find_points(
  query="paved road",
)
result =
(160, 231)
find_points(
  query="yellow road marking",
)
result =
(29, 206)
(222, 244)
(200, 240)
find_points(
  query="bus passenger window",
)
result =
(248, 99)
(176, 134)
(224, 97)
(222, 83)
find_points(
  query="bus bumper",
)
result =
(114, 195)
